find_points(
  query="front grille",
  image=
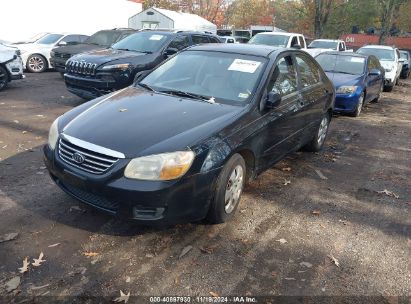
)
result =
(90, 198)
(61, 55)
(84, 159)
(81, 67)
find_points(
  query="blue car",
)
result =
(357, 79)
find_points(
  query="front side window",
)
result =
(222, 77)
(70, 39)
(143, 42)
(309, 73)
(283, 81)
(49, 39)
(179, 43)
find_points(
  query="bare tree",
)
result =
(388, 7)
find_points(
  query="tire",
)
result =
(360, 104)
(397, 81)
(388, 88)
(228, 190)
(36, 63)
(317, 142)
(4, 78)
(379, 93)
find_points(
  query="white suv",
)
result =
(390, 60)
(280, 39)
(11, 66)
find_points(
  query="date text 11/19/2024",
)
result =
(203, 299)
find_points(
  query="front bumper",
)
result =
(58, 64)
(346, 103)
(165, 202)
(15, 68)
(390, 78)
(90, 88)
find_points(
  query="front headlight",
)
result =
(346, 89)
(389, 69)
(121, 66)
(53, 134)
(52, 54)
(166, 166)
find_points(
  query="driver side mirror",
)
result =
(170, 51)
(141, 75)
(375, 72)
(62, 43)
(402, 60)
(273, 100)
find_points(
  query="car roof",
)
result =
(245, 49)
(375, 46)
(279, 33)
(352, 54)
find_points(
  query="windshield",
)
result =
(404, 55)
(323, 45)
(106, 38)
(144, 42)
(381, 54)
(49, 39)
(220, 77)
(341, 64)
(274, 40)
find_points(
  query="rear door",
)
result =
(313, 93)
(373, 81)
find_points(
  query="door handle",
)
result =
(302, 103)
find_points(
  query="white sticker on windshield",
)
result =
(245, 66)
(156, 37)
(357, 59)
(243, 95)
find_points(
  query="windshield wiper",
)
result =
(189, 95)
(146, 86)
(124, 50)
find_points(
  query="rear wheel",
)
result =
(318, 140)
(228, 190)
(388, 88)
(4, 78)
(36, 63)
(360, 104)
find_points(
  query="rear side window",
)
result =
(309, 72)
(294, 41)
(180, 42)
(197, 39)
(283, 81)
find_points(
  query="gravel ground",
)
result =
(313, 225)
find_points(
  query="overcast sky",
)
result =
(21, 19)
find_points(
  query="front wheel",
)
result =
(36, 63)
(228, 190)
(4, 78)
(360, 104)
(318, 140)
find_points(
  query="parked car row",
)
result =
(11, 65)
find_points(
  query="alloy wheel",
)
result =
(234, 189)
(36, 63)
(322, 132)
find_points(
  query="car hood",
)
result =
(388, 64)
(137, 122)
(340, 79)
(78, 48)
(106, 55)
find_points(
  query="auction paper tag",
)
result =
(156, 37)
(356, 59)
(245, 66)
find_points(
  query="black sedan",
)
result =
(179, 144)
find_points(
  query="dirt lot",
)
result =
(292, 222)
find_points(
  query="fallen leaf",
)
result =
(177, 280)
(90, 254)
(248, 293)
(75, 208)
(289, 279)
(206, 250)
(388, 193)
(8, 237)
(316, 212)
(25, 266)
(273, 273)
(334, 260)
(39, 287)
(288, 169)
(286, 182)
(122, 110)
(282, 241)
(128, 279)
(16, 121)
(37, 262)
(23, 132)
(12, 284)
(185, 251)
(306, 264)
(214, 294)
(123, 297)
(322, 176)
(53, 245)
